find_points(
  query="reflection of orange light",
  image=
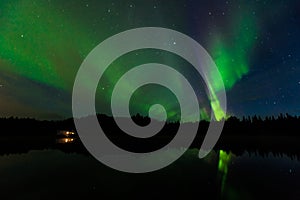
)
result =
(65, 140)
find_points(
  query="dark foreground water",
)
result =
(53, 174)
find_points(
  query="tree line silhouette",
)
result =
(253, 134)
(284, 124)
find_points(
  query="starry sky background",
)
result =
(255, 45)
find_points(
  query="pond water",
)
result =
(53, 174)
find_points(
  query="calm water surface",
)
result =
(53, 174)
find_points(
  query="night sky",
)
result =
(255, 46)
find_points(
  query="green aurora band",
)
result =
(44, 45)
(232, 57)
(40, 43)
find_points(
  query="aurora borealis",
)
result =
(231, 56)
(254, 45)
